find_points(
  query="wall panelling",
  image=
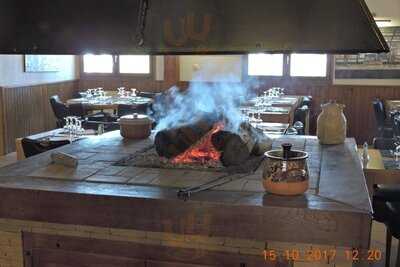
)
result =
(26, 110)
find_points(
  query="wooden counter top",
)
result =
(336, 209)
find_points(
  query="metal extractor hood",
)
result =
(187, 27)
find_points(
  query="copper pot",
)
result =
(135, 126)
(285, 171)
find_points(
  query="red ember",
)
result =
(203, 151)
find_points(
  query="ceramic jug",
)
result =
(331, 124)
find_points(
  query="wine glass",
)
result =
(245, 113)
(258, 101)
(89, 93)
(80, 129)
(134, 92)
(68, 126)
(275, 92)
(271, 92)
(67, 123)
(250, 114)
(94, 92)
(121, 91)
(259, 108)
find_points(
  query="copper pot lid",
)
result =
(286, 153)
(135, 119)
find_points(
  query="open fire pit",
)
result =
(202, 128)
(204, 145)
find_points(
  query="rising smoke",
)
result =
(217, 99)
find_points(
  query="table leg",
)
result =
(388, 247)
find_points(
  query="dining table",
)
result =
(109, 102)
(281, 101)
(278, 115)
(272, 129)
(381, 168)
(392, 105)
(278, 110)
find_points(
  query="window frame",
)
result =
(116, 73)
(286, 72)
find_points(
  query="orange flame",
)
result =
(203, 151)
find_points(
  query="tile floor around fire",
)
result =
(378, 234)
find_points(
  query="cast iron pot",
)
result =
(135, 126)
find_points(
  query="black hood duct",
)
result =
(187, 27)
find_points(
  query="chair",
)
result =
(76, 94)
(392, 115)
(396, 125)
(60, 110)
(299, 126)
(383, 143)
(380, 115)
(34, 147)
(302, 115)
(386, 206)
(77, 109)
(386, 202)
(393, 226)
(307, 101)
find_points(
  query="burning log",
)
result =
(204, 142)
(173, 142)
(235, 148)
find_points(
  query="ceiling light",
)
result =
(383, 22)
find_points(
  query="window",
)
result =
(266, 64)
(98, 64)
(308, 65)
(122, 64)
(134, 64)
(293, 65)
